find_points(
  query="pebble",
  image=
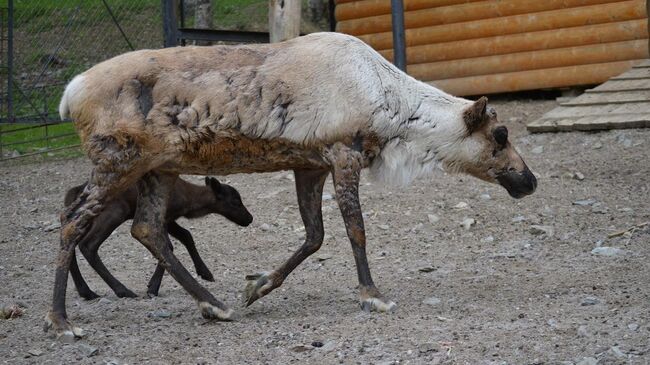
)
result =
(87, 350)
(302, 348)
(317, 344)
(327, 197)
(488, 239)
(428, 347)
(427, 269)
(518, 219)
(468, 223)
(265, 227)
(597, 146)
(589, 301)
(616, 351)
(160, 313)
(485, 196)
(599, 208)
(103, 301)
(385, 227)
(583, 332)
(584, 202)
(35, 352)
(431, 301)
(537, 150)
(52, 227)
(633, 326)
(578, 176)
(461, 205)
(587, 361)
(433, 218)
(541, 230)
(607, 251)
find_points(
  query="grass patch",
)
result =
(25, 138)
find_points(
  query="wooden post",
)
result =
(284, 19)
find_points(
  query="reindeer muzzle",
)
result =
(518, 183)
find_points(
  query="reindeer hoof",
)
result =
(257, 286)
(209, 311)
(65, 331)
(377, 305)
(89, 295)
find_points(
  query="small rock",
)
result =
(488, 239)
(67, 337)
(87, 350)
(323, 257)
(597, 145)
(583, 332)
(587, 361)
(290, 177)
(468, 223)
(317, 344)
(265, 227)
(302, 348)
(485, 196)
(461, 205)
(160, 313)
(15, 153)
(518, 219)
(607, 251)
(427, 269)
(548, 212)
(52, 227)
(626, 142)
(385, 227)
(431, 301)
(578, 176)
(633, 326)
(541, 230)
(33, 210)
(423, 348)
(537, 150)
(616, 351)
(103, 301)
(327, 197)
(599, 208)
(584, 202)
(35, 352)
(589, 301)
(433, 218)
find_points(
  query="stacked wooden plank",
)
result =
(470, 47)
(621, 102)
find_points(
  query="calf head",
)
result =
(490, 156)
(228, 202)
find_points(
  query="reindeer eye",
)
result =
(500, 135)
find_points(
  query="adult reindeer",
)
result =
(320, 104)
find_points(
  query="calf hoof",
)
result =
(64, 330)
(377, 305)
(257, 286)
(89, 295)
(209, 311)
(125, 293)
(205, 274)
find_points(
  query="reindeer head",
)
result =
(490, 156)
(228, 202)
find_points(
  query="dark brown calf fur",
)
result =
(187, 200)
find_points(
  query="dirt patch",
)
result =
(500, 291)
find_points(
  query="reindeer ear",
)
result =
(474, 116)
(215, 184)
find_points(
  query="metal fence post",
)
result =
(399, 42)
(10, 63)
(170, 22)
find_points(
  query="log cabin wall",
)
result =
(471, 47)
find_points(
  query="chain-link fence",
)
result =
(43, 44)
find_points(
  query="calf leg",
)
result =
(185, 237)
(148, 228)
(346, 171)
(309, 188)
(90, 252)
(82, 287)
(156, 279)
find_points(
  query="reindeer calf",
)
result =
(187, 200)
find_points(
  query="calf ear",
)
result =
(474, 116)
(215, 184)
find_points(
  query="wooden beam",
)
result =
(284, 19)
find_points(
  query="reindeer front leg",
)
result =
(347, 164)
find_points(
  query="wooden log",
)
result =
(542, 59)
(534, 79)
(367, 8)
(459, 13)
(523, 42)
(284, 19)
(553, 19)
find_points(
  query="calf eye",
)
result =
(500, 135)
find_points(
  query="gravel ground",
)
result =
(522, 285)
